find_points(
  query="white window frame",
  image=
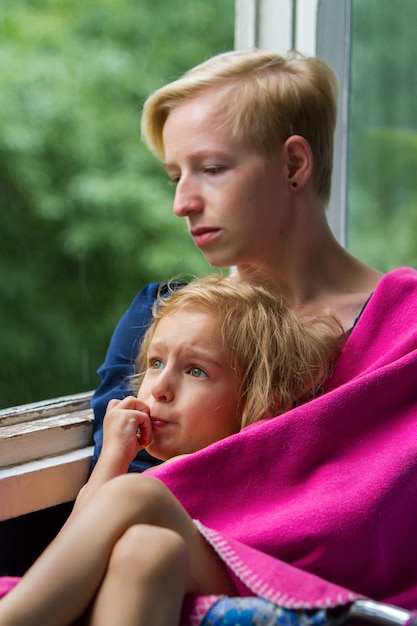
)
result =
(45, 453)
(314, 27)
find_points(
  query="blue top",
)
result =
(119, 365)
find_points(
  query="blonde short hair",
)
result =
(279, 359)
(265, 98)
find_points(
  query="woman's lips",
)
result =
(204, 236)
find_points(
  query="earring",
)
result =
(294, 184)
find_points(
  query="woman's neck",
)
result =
(318, 274)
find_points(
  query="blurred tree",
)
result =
(85, 210)
(383, 189)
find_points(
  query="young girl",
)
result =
(219, 356)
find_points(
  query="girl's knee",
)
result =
(127, 482)
(146, 500)
(145, 551)
(134, 485)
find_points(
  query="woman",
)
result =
(247, 137)
(253, 181)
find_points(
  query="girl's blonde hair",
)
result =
(264, 98)
(280, 360)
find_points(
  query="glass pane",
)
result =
(85, 211)
(382, 197)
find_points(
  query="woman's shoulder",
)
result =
(393, 305)
(147, 295)
(401, 281)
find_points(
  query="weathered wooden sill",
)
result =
(45, 453)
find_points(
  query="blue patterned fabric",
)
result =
(259, 612)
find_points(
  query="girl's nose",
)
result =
(162, 388)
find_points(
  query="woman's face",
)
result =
(231, 196)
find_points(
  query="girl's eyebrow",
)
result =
(205, 357)
(192, 354)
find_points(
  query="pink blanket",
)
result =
(7, 583)
(322, 500)
(328, 491)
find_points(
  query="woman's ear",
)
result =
(298, 160)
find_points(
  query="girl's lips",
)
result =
(158, 423)
(204, 236)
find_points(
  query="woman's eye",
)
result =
(156, 364)
(213, 169)
(197, 372)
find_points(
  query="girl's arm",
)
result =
(119, 364)
(126, 431)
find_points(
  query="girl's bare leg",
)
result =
(147, 578)
(64, 581)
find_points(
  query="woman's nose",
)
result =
(187, 198)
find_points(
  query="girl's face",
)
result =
(189, 385)
(232, 198)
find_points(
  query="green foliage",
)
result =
(85, 210)
(383, 192)
(384, 166)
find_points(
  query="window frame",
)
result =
(314, 27)
(45, 453)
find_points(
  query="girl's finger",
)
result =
(113, 404)
(144, 432)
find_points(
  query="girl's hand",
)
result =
(126, 430)
(126, 427)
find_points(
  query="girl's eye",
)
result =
(156, 364)
(197, 372)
